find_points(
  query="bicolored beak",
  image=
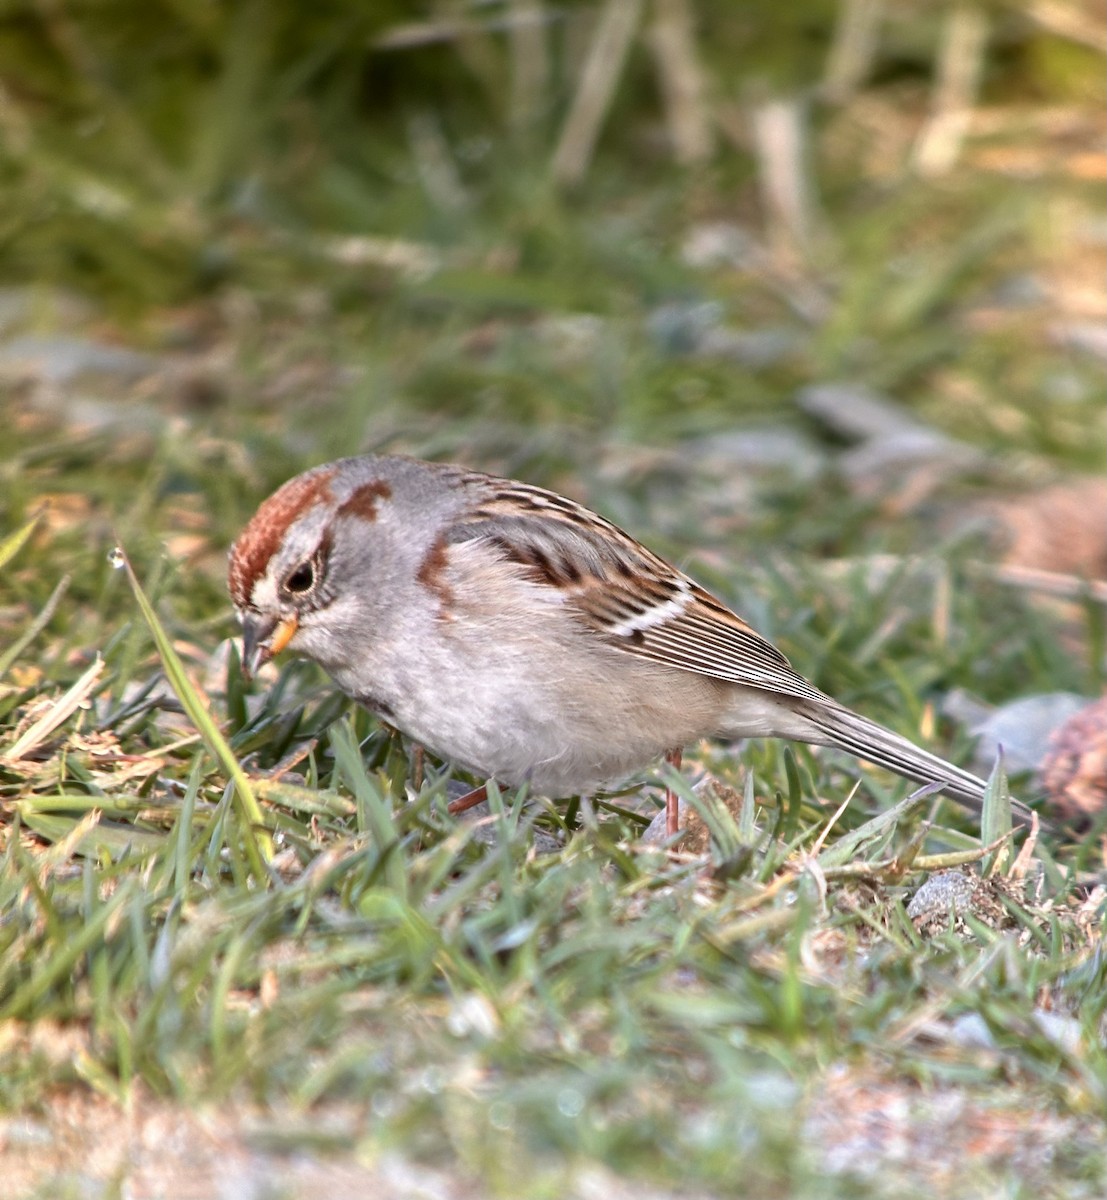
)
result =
(263, 638)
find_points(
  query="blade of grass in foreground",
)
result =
(995, 818)
(259, 845)
(36, 626)
(58, 713)
(14, 542)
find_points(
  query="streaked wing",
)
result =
(621, 590)
(707, 637)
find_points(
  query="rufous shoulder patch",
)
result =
(363, 501)
(432, 575)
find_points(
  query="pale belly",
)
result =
(509, 717)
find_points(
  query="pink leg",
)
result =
(468, 801)
(672, 805)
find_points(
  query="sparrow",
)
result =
(521, 636)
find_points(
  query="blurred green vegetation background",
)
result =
(583, 242)
(858, 179)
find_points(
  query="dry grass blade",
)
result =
(880, 567)
(1069, 21)
(1021, 866)
(1049, 583)
(683, 81)
(598, 82)
(59, 712)
(893, 869)
(853, 50)
(530, 61)
(36, 627)
(875, 832)
(787, 188)
(258, 843)
(960, 66)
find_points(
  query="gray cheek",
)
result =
(339, 639)
(320, 645)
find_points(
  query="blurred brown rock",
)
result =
(1061, 528)
(1074, 771)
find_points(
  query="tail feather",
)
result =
(866, 739)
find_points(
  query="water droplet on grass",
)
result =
(501, 1116)
(570, 1103)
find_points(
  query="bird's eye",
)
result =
(301, 580)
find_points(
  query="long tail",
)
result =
(866, 739)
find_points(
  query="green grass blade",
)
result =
(62, 961)
(868, 839)
(747, 830)
(374, 808)
(15, 542)
(32, 631)
(794, 799)
(259, 845)
(996, 819)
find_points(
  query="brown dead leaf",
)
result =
(63, 511)
(1062, 528)
(1074, 771)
